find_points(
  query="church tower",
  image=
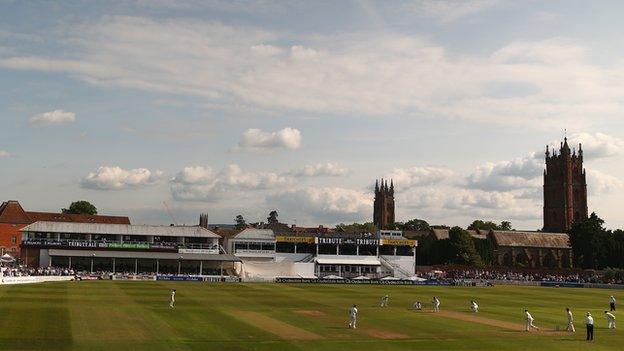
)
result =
(565, 189)
(383, 207)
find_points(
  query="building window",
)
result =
(13, 240)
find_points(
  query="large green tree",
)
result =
(272, 219)
(463, 250)
(479, 224)
(240, 222)
(413, 224)
(80, 207)
(367, 227)
(589, 241)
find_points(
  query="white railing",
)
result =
(395, 267)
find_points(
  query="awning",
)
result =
(359, 260)
(6, 258)
(145, 255)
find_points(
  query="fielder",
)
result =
(473, 306)
(436, 304)
(570, 327)
(353, 312)
(172, 300)
(612, 303)
(589, 323)
(529, 321)
(384, 301)
(417, 306)
(610, 320)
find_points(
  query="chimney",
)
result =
(203, 220)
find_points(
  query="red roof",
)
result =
(12, 212)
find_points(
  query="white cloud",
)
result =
(451, 10)
(601, 183)
(52, 117)
(451, 205)
(597, 145)
(520, 173)
(246, 66)
(406, 178)
(256, 139)
(203, 184)
(324, 205)
(4, 154)
(321, 170)
(117, 178)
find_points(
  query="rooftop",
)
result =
(119, 229)
(12, 212)
(531, 239)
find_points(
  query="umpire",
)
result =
(589, 323)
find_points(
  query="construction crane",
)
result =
(170, 213)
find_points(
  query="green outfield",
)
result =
(106, 315)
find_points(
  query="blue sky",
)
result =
(244, 107)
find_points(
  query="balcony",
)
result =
(119, 245)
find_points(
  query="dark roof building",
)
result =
(531, 249)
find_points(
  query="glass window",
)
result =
(268, 246)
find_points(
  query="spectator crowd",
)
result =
(537, 276)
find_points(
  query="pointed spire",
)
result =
(376, 186)
(547, 152)
(580, 150)
(392, 187)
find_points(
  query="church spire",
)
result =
(547, 152)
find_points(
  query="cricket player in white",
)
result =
(436, 304)
(353, 312)
(529, 321)
(473, 306)
(612, 303)
(384, 301)
(417, 306)
(610, 320)
(570, 327)
(172, 301)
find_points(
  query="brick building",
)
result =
(531, 249)
(13, 218)
(383, 207)
(565, 189)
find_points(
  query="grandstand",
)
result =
(252, 254)
(125, 248)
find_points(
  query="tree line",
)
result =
(594, 246)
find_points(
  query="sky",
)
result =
(243, 107)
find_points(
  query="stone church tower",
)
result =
(565, 189)
(383, 207)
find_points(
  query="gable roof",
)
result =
(531, 239)
(415, 234)
(76, 218)
(13, 213)
(253, 233)
(440, 234)
(478, 234)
